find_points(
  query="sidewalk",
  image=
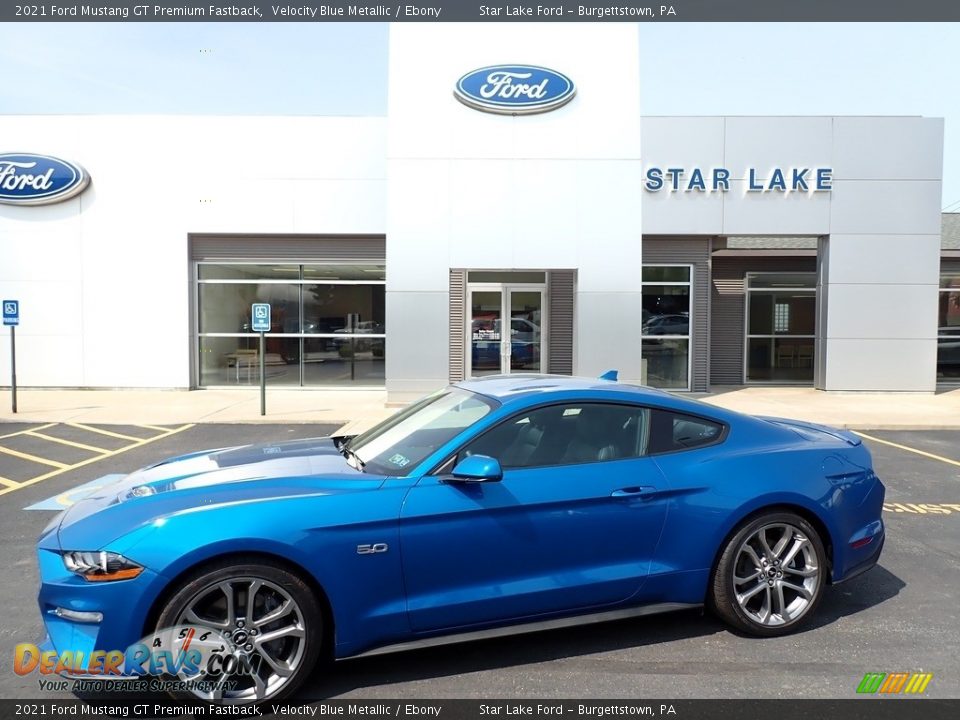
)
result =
(358, 409)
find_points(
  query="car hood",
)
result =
(208, 479)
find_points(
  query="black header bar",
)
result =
(492, 11)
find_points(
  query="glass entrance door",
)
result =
(505, 327)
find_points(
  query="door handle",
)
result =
(643, 491)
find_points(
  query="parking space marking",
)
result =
(110, 433)
(153, 427)
(24, 432)
(64, 441)
(909, 449)
(135, 443)
(9, 483)
(922, 508)
(32, 458)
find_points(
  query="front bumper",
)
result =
(123, 604)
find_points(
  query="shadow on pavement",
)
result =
(866, 591)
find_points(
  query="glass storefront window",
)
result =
(782, 280)
(353, 361)
(245, 271)
(343, 309)
(344, 302)
(666, 273)
(344, 272)
(667, 363)
(948, 329)
(781, 327)
(665, 325)
(225, 307)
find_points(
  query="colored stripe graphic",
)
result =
(918, 683)
(894, 683)
(870, 683)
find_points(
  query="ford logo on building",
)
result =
(28, 179)
(514, 89)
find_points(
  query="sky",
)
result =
(341, 69)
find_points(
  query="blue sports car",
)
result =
(492, 506)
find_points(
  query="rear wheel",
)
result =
(266, 620)
(770, 575)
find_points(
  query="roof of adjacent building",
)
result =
(949, 238)
(950, 231)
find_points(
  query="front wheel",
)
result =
(267, 629)
(770, 575)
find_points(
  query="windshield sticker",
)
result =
(399, 460)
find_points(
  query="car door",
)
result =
(573, 523)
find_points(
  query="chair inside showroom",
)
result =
(785, 356)
(805, 356)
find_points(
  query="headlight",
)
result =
(101, 566)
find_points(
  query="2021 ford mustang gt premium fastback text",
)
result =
(492, 506)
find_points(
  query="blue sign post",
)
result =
(11, 317)
(260, 316)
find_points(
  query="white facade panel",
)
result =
(871, 365)
(683, 141)
(874, 147)
(774, 213)
(883, 259)
(878, 311)
(769, 142)
(886, 206)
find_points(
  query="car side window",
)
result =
(566, 435)
(671, 431)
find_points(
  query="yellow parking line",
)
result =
(103, 432)
(98, 458)
(32, 458)
(9, 483)
(909, 449)
(154, 427)
(91, 448)
(21, 432)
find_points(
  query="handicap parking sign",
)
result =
(11, 312)
(261, 317)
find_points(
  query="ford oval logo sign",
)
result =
(28, 179)
(514, 89)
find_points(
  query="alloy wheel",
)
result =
(264, 630)
(776, 575)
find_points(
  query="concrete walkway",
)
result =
(358, 409)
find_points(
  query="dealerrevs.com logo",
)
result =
(179, 659)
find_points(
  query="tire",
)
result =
(284, 607)
(773, 593)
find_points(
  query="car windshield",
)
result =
(398, 444)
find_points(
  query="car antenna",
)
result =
(610, 375)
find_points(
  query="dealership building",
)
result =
(555, 231)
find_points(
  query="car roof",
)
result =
(524, 389)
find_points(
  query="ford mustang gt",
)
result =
(492, 506)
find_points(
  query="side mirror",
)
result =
(478, 468)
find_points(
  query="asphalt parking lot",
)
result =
(901, 616)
